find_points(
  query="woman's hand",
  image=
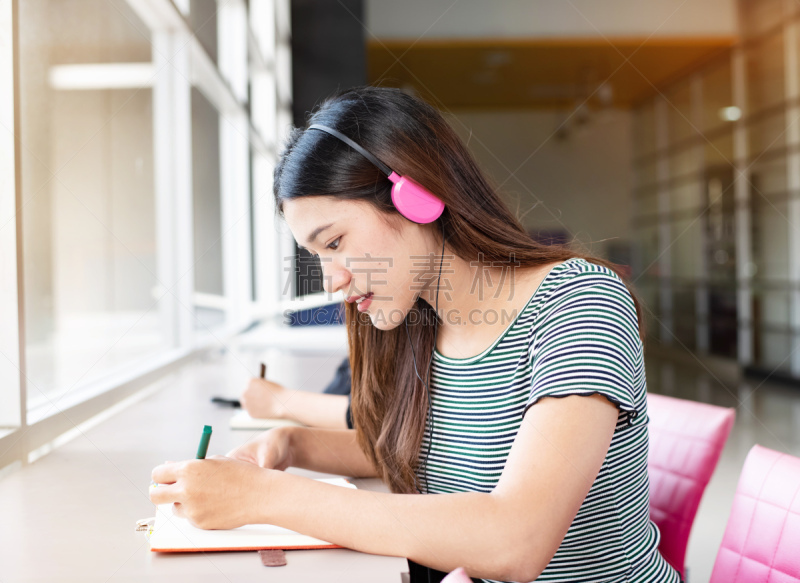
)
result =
(272, 449)
(264, 399)
(215, 493)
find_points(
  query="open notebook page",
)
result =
(171, 534)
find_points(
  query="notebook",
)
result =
(242, 420)
(170, 534)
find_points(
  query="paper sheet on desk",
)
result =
(171, 534)
(242, 420)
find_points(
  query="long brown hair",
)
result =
(389, 403)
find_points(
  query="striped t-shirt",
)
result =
(578, 334)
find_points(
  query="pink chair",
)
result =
(457, 576)
(686, 440)
(762, 539)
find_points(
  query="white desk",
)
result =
(70, 516)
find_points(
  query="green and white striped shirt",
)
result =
(578, 335)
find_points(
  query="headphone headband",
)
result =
(381, 166)
(412, 200)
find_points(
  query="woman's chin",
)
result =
(385, 318)
(382, 323)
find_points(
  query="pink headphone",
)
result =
(412, 200)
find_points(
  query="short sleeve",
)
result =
(340, 384)
(587, 342)
(348, 416)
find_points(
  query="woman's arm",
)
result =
(267, 400)
(511, 533)
(316, 409)
(330, 451)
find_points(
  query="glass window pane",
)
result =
(683, 309)
(722, 320)
(685, 161)
(90, 256)
(9, 307)
(686, 247)
(265, 233)
(648, 248)
(644, 130)
(760, 16)
(262, 22)
(720, 224)
(719, 150)
(679, 108)
(647, 202)
(717, 94)
(769, 177)
(646, 172)
(771, 307)
(207, 206)
(264, 104)
(203, 20)
(772, 349)
(770, 235)
(767, 134)
(765, 73)
(686, 196)
(648, 296)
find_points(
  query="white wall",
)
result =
(582, 181)
(388, 19)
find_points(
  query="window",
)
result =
(730, 245)
(767, 134)
(682, 124)
(765, 73)
(203, 20)
(644, 130)
(761, 15)
(10, 412)
(209, 298)
(139, 229)
(88, 207)
(770, 226)
(718, 95)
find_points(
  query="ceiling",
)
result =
(538, 73)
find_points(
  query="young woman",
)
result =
(504, 376)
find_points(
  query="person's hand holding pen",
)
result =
(264, 399)
(217, 492)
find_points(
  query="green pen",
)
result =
(204, 439)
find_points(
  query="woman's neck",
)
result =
(476, 296)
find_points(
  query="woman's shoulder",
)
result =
(579, 274)
(579, 266)
(579, 283)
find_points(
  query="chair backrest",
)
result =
(686, 440)
(762, 539)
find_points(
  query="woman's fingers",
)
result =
(166, 473)
(243, 453)
(267, 457)
(164, 494)
(237, 451)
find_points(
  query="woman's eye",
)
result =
(334, 244)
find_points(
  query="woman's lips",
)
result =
(363, 302)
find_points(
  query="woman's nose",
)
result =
(334, 278)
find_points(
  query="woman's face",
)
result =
(365, 253)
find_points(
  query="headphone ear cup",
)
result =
(414, 201)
